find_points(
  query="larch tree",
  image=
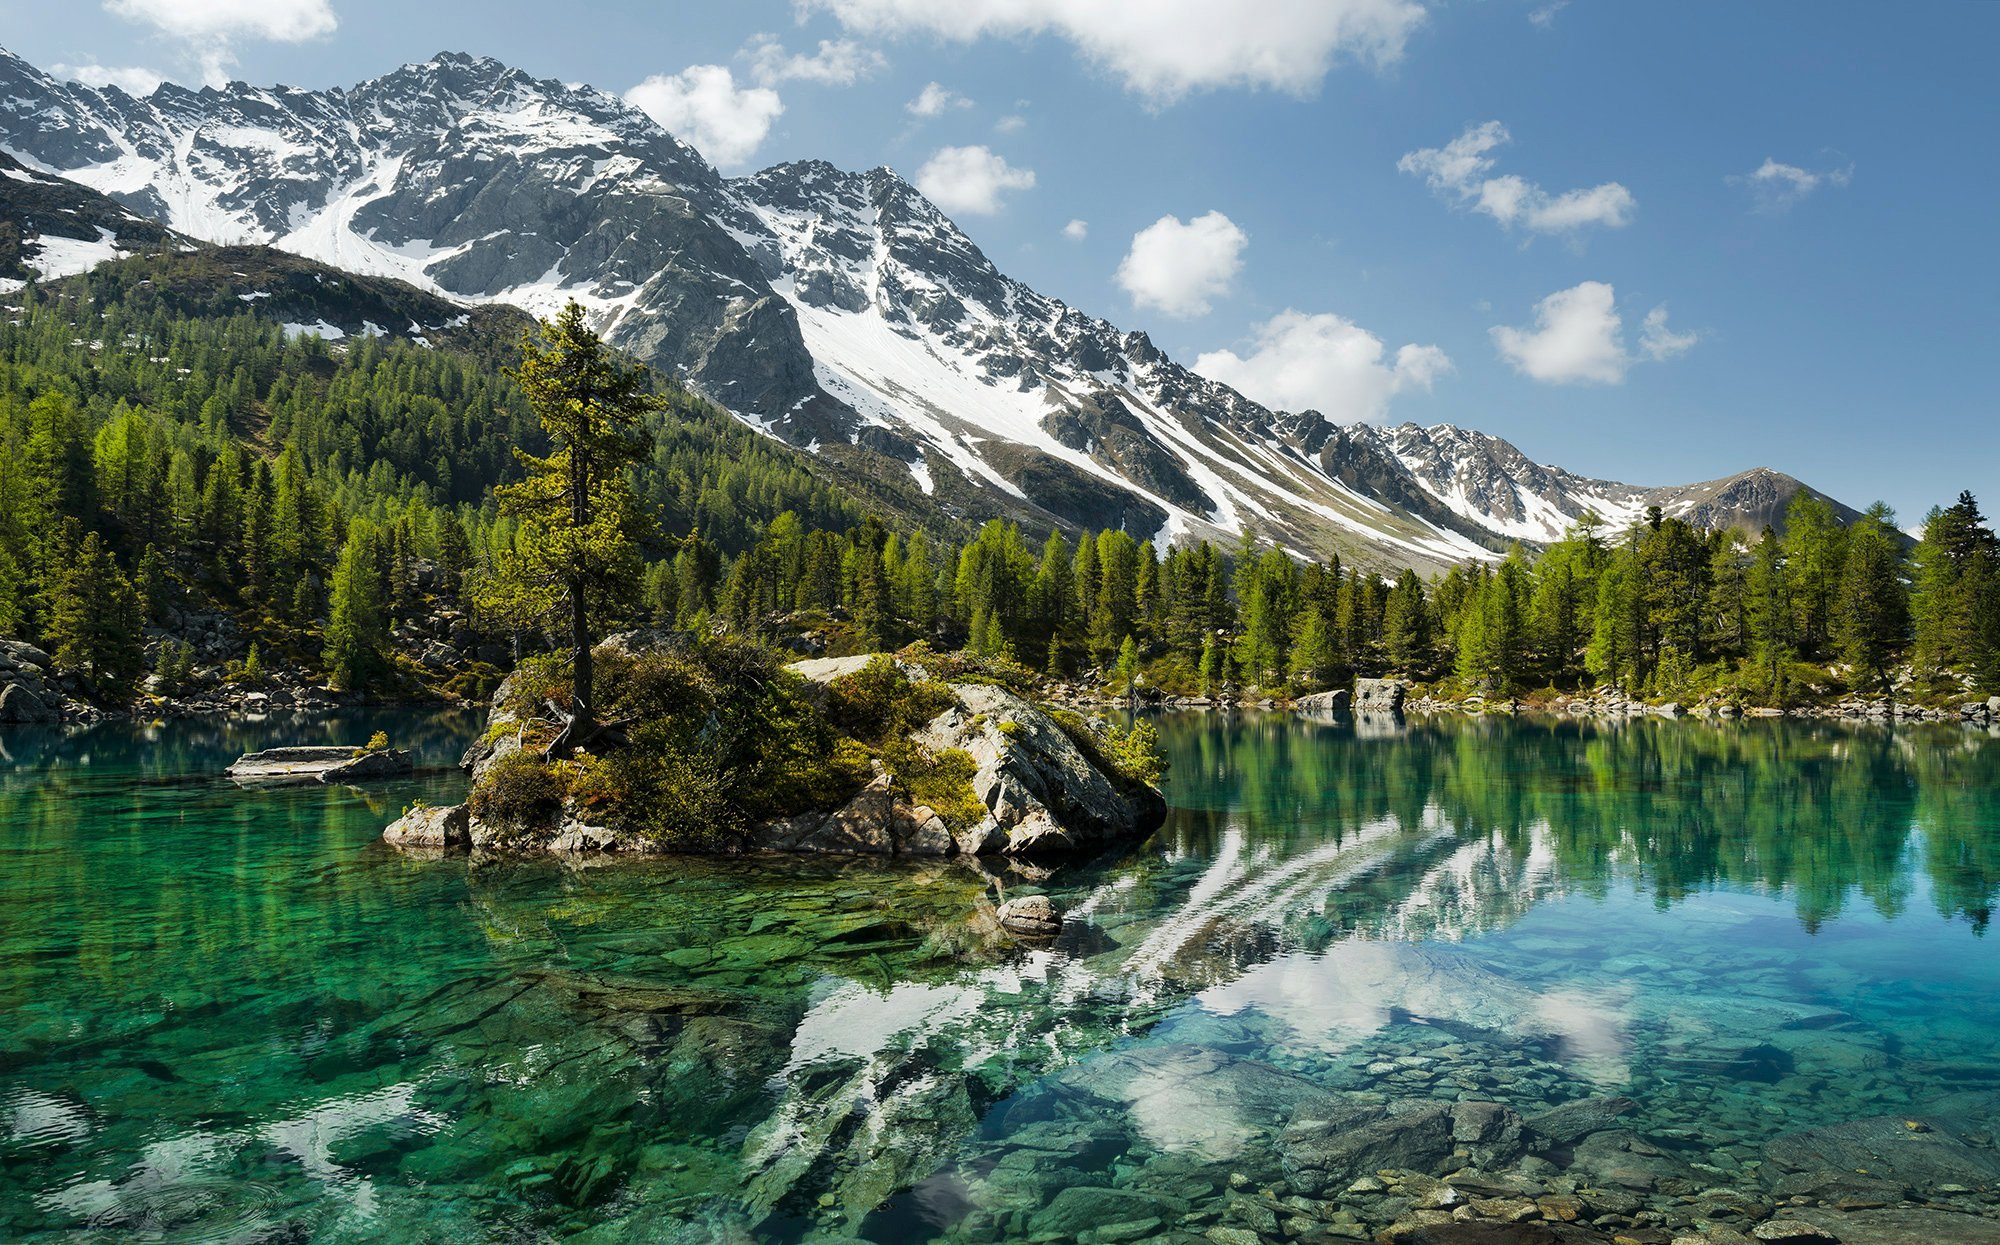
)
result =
(576, 559)
(357, 637)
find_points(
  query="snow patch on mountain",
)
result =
(833, 309)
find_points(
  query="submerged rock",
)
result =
(320, 764)
(1898, 1226)
(1346, 1139)
(1573, 1121)
(1918, 1151)
(1502, 1234)
(1032, 916)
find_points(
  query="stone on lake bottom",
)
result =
(1032, 916)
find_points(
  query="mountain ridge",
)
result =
(841, 312)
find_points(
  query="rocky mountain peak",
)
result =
(839, 310)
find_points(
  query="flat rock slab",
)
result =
(320, 764)
(1505, 1234)
(1906, 1226)
(1918, 1150)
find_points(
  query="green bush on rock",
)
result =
(718, 738)
(1132, 754)
(521, 796)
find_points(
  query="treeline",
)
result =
(1662, 609)
(158, 472)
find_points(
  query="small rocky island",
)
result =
(323, 764)
(717, 747)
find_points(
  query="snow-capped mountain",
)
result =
(839, 311)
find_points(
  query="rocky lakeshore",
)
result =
(1609, 702)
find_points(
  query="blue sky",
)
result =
(1834, 317)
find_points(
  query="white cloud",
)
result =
(1657, 341)
(1012, 123)
(1579, 338)
(1163, 49)
(1325, 363)
(285, 21)
(1776, 186)
(839, 62)
(211, 27)
(703, 106)
(1176, 268)
(1544, 15)
(132, 79)
(970, 180)
(1077, 230)
(934, 100)
(1459, 170)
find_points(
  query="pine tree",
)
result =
(1613, 654)
(1770, 618)
(1956, 602)
(1406, 639)
(1128, 663)
(1871, 613)
(1814, 553)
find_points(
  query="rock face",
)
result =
(874, 823)
(320, 764)
(26, 696)
(1378, 695)
(1337, 702)
(1042, 793)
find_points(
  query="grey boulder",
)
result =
(425, 826)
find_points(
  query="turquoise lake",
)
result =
(234, 1015)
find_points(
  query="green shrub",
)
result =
(969, 667)
(941, 780)
(1133, 755)
(674, 798)
(879, 702)
(521, 795)
(793, 758)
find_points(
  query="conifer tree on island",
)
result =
(576, 557)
